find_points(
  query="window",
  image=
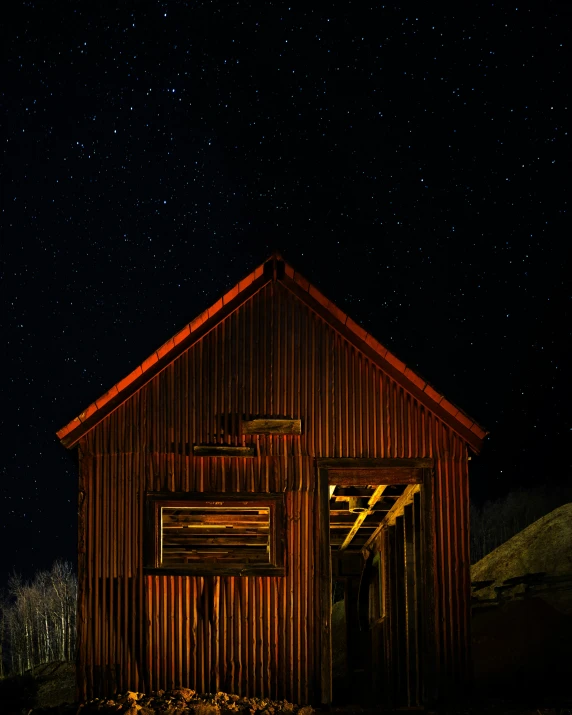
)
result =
(233, 534)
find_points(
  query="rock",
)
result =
(204, 709)
(186, 701)
(185, 694)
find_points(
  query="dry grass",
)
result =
(543, 547)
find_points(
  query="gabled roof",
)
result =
(274, 269)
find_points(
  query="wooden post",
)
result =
(401, 613)
(420, 604)
(410, 575)
(428, 548)
(325, 588)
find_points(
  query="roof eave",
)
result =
(275, 268)
(424, 392)
(72, 432)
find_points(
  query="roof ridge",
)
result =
(294, 280)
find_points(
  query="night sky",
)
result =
(413, 165)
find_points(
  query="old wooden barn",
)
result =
(270, 465)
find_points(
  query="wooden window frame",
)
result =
(156, 500)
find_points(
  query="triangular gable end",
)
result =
(274, 269)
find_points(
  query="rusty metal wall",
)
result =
(272, 357)
(452, 562)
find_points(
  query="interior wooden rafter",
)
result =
(371, 502)
(351, 531)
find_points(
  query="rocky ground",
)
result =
(50, 691)
(185, 700)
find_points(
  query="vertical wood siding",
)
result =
(273, 356)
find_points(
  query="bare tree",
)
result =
(38, 624)
(497, 521)
(4, 608)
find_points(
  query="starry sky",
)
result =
(411, 161)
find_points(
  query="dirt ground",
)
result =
(50, 690)
(47, 686)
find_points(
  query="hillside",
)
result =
(544, 546)
(522, 629)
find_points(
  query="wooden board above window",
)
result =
(272, 426)
(222, 450)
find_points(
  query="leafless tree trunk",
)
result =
(497, 521)
(38, 626)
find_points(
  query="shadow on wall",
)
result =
(339, 652)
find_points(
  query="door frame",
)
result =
(391, 471)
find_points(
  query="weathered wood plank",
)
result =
(207, 500)
(387, 476)
(222, 450)
(193, 542)
(214, 529)
(350, 463)
(272, 426)
(346, 490)
(178, 520)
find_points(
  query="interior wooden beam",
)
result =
(218, 519)
(338, 524)
(395, 511)
(191, 543)
(343, 493)
(272, 426)
(222, 450)
(361, 517)
(350, 463)
(363, 477)
(343, 504)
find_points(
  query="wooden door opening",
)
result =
(374, 524)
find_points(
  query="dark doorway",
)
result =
(352, 675)
(376, 594)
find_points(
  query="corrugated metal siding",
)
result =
(272, 357)
(452, 560)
